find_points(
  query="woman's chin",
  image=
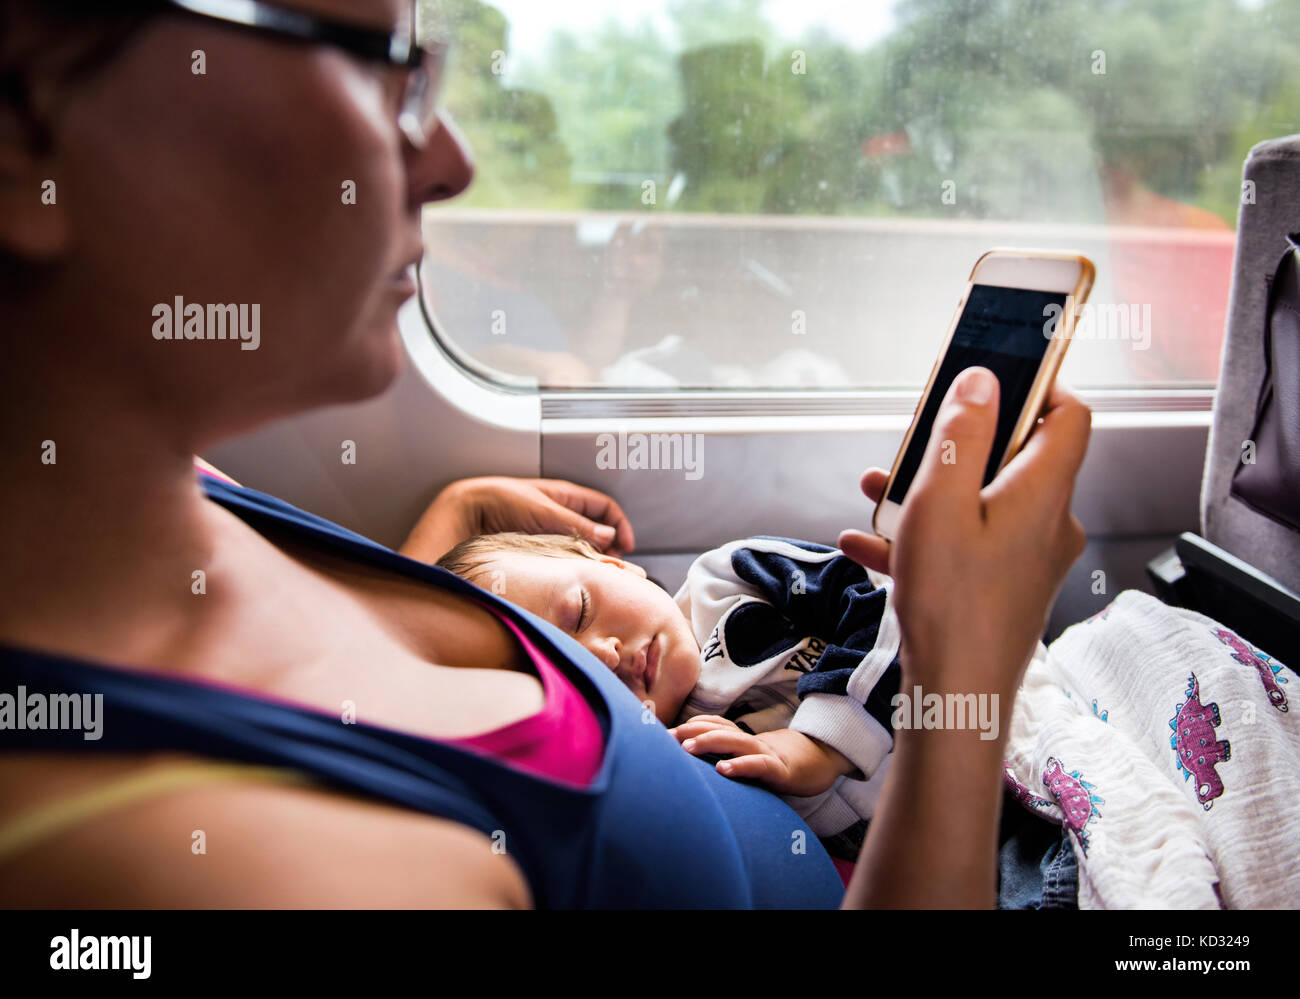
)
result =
(387, 364)
(372, 369)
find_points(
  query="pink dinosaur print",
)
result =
(1021, 793)
(1194, 745)
(1074, 795)
(1268, 668)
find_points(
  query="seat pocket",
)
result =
(1268, 480)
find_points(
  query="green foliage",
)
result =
(613, 91)
(521, 161)
(1019, 107)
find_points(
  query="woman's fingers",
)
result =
(866, 549)
(952, 471)
(555, 517)
(1050, 460)
(873, 483)
(608, 521)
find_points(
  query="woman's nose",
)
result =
(444, 167)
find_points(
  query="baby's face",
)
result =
(623, 619)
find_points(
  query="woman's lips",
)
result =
(403, 279)
(403, 282)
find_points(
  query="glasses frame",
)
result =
(417, 115)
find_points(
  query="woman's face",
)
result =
(234, 186)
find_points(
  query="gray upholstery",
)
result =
(1274, 169)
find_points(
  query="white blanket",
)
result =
(1171, 748)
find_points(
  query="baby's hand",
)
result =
(785, 761)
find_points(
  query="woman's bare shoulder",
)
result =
(240, 844)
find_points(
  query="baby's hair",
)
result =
(470, 559)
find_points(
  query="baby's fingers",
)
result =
(701, 724)
(724, 742)
(715, 719)
(760, 767)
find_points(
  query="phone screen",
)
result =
(1001, 329)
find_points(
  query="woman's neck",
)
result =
(100, 518)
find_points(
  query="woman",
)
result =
(291, 713)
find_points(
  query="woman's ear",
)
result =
(33, 216)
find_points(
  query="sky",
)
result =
(856, 22)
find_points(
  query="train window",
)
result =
(781, 194)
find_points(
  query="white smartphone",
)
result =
(1015, 318)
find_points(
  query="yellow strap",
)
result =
(54, 817)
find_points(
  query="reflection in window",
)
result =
(792, 192)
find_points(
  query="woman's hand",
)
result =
(534, 506)
(976, 570)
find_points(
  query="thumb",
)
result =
(961, 438)
(562, 520)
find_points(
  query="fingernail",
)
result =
(688, 745)
(975, 386)
(604, 533)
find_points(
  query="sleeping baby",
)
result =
(777, 659)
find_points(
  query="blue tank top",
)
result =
(656, 828)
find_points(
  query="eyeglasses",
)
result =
(417, 110)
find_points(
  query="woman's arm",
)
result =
(265, 846)
(975, 574)
(933, 841)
